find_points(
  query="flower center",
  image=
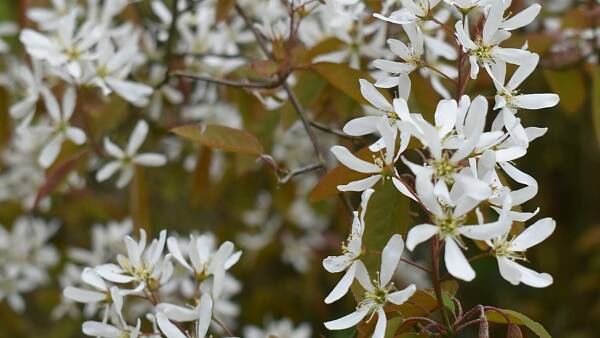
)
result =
(448, 224)
(483, 52)
(501, 248)
(378, 296)
(444, 169)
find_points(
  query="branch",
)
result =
(232, 83)
(257, 35)
(288, 175)
(332, 131)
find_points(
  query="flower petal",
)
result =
(456, 263)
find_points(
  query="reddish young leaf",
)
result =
(221, 137)
(57, 173)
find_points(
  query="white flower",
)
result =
(90, 277)
(411, 11)
(509, 251)
(99, 329)
(411, 57)
(448, 150)
(384, 160)
(31, 85)
(484, 50)
(509, 100)
(352, 250)
(126, 160)
(110, 68)
(144, 265)
(204, 261)
(61, 130)
(25, 257)
(50, 18)
(69, 49)
(377, 293)
(449, 225)
(202, 314)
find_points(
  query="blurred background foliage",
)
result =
(566, 164)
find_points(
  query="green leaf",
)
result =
(221, 137)
(570, 86)
(387, 214)
(518, 319)
(344, 79)
(596, 101)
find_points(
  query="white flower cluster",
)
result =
(187, 287)
(25, 257)
(467, 158)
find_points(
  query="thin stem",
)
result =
(301, 114)
(443, 25)
(238, 84)
(415, 264)
(223, 326)
(169, 45)
(299, 171)
(441, 74)
(429, 322)
(435, 276)
(332, 131)
(257, 35)
(405, 260)
(206, 55)
(463, 79)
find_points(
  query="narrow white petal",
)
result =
(173, 247)
(509, 271)
(177, 313)
(342, 286)
(168, 328)
(360, 185)
(372, 94)
(379, 331)
(112, 149)
(137, 137)
(533, 234)
(523, 18)
(150, 159)
(83, 296)
(484, 232)
(390, 257)
(76, 135)
(456, 263)
(361, 126)
(349, 160)
(419, 234)
(348, 320)
(107, 170)
(97, 329)
(536, 101)
(50, 151)
(205, 315)
(399, 297)
(534, 278)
